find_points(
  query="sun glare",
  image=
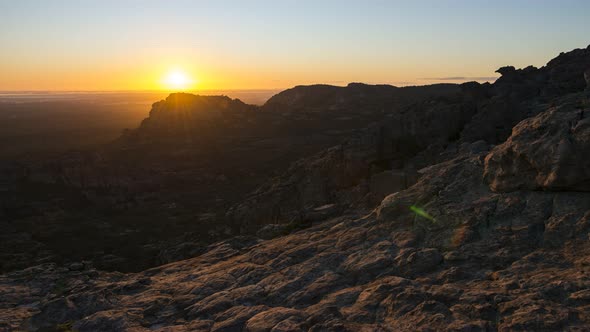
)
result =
(177, 80)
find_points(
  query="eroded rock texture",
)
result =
(483, 237)
(506, 261)
(550, 151)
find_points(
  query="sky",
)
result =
(135, 45)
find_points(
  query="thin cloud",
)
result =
(461, 78)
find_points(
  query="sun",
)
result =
(177, 80)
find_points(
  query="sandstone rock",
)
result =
(102, 321)
(413, 262)
(345, 273)
(267, 320)
(332, 178)
(271, 231)
(475, 147)
(76, 266)
(506, 70)
(546, 152)
(513, 260)
(580, 297)
(322, 212)
(388, 182)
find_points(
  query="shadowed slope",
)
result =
(511, 258)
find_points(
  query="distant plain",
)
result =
(39, 124)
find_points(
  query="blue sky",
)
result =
(265, 44)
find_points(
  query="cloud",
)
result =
(461, 78)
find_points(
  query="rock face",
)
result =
(374, 98)
(488, 231)
(360, 172)
(546, 152)
(160, 192)
(485, 261)
(387, 182)
(563, 74)
(201, 169)
(337, 176)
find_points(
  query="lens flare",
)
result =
(420, 212)
(177, 80)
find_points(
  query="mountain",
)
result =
(160, 192)
(357, 98)
(467, 211)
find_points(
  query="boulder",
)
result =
(546, 152)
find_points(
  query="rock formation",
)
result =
(546, 152)
(485, 261)
(464, 212)
(161, 192)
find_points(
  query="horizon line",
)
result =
(132, 90)
(400, 84)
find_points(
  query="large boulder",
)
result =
(546, 152)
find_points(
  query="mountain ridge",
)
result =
(498, 173)
(160, 192)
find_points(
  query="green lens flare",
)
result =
(421, 213)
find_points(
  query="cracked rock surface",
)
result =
(487, 260)
(493, 234)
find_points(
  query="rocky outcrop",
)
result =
(160, 192)
(391, 181)
(546, 152)
(562, 75)
(565, 73)
(370, 165)
(521, 93)
(483, 261)
(364, 98)
(477, 226)
(381, 160)
(339, 176)
(191, 116)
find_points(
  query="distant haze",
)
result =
(131, 45)
(39, 123)
(254, 97)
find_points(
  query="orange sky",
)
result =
(131, 45)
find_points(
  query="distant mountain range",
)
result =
(366, 207)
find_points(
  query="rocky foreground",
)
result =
(160, 192)
(491, 233)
